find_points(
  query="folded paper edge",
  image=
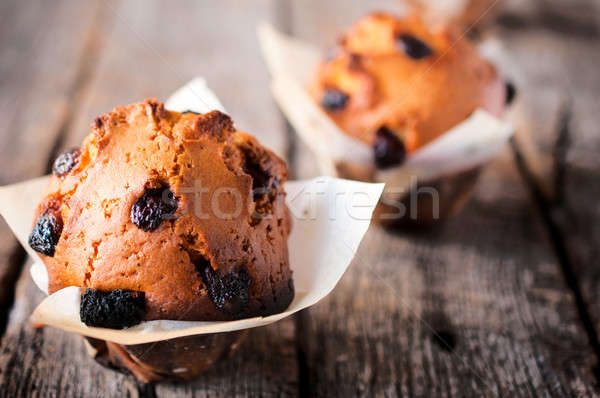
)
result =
(142, 337)
(136, 336)
(198, 88)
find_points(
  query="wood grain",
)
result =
(44, 47)
(565, 114)
(478, 307)
(38, 80)
(31, 107)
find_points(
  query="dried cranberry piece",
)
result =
(511, 92)
(388, 149)
(228, 292)
(65, 162)
(334, 99)
(413, 47)
(46, 233)
(155, 205)
(116, 309)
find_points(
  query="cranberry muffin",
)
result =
(395, 85)
(167, 215)
(393, 77)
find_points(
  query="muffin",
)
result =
(395, 85)
(180, 359)
(167, 215)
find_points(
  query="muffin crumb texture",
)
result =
(180, 209)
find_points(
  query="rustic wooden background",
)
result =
(502, 300)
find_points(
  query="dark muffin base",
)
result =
(179, 359)
(417, 209)
(183, 358)
(454, 192)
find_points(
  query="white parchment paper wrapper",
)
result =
(194, 96)
(330, 215)
(292, 63)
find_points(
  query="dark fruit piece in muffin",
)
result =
(229, 292)
(46, 232)
(65, 162)
(389, 150)
(334, 99)
(149, 211)
(511, 92)
(116, 309)
(413, 47)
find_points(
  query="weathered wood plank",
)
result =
(487, 283)
(477, 307)
(564, 76)
(44, 48)
(507, 322)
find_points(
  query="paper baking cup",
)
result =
(330, 215)
(450, 164)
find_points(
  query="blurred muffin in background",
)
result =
(396, 85)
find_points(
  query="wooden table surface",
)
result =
(502, 300)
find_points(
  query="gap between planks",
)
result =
(550, 209)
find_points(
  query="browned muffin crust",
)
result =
(213, 237)
(396, 73)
